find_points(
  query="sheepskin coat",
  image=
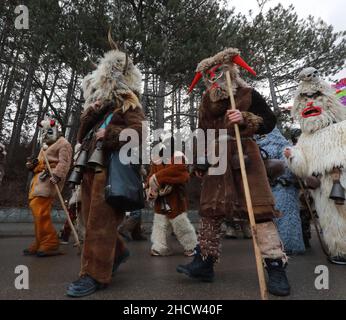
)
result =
(286, 197)
(175, 175)
(59, 156)
(223, 194)
(318, 153)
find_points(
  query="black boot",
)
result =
(277, 283)
(199, 268)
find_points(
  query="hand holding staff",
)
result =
(259, 263)
(62, 203)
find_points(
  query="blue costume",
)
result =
(286, 195)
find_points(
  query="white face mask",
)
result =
(49, 132)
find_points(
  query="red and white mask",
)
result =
(49, 131)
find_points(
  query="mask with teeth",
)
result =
(316, 106)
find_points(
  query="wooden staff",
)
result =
(259, 263)
(75, 235)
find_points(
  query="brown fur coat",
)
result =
(59, 156)
(177, 176)
(130, 118)
(223, 194)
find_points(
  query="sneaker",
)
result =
(277, 280)
(84, 286)
(340, 260)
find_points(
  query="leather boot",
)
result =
(277, 280)
(199, 269)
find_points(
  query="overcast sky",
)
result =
(331, 11)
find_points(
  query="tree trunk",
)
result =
(173, 110)
(160, 104)
(69, 100)
(7, 93)
(192, 111)
(145, 100)
(277, 110)
(21, 112)
(75, 121)
(177, 110)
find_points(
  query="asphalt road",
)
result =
(146, 277)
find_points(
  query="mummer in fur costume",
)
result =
(166, 186)
(223, 194)
(112, 104)
(321, 152)
(42, 190)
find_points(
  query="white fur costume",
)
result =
(182, 228)
(320, 148)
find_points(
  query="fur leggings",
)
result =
(210, 235)
(182, 228)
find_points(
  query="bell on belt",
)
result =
(82, 159)
(96, 159)
(76, 176)
(338, 193)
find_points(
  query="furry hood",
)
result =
(224, 57)
(109, 80)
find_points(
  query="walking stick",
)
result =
(259, 263)
(313, 218)
(62, 203)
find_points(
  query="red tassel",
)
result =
(198, 77)
(52, 123)
(240, 62)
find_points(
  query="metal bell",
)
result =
(82, 159)
(96, 158)
(75, 177)
(338, 193)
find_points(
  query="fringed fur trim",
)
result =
(184, 231)
(223, 57)
(251, 123)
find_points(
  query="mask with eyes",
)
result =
(49, 131)
(213, 71)
(316, 106)
(215, 81)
